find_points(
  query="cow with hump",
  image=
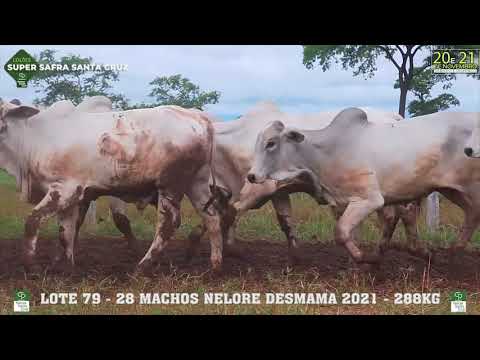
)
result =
(359, 166)
(73, 157)
(31, 192)
(234, 149)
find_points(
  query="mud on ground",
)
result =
(323, 266)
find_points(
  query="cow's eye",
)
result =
(270, 145)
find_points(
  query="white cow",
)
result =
(360, 166)
(472, 146)
(74, 157)
(235, 146)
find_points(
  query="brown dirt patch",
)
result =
(109, 257)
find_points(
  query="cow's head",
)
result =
(472, 147)
(13, 111)
(277, 154)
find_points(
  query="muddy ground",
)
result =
(108, 256)
(323, 266)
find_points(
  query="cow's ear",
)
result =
(295, 136)
(22, 111)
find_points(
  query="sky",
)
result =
(244, 75)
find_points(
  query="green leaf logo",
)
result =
(22, 295)
(22, 67)
(458, 296)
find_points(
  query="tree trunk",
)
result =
(403, 99)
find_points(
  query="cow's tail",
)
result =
(211, 163)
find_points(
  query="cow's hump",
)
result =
(58, 109)
(349, 118)
(95, 104)
(263, 107)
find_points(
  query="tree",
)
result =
(421, 87)
(177, 90)
(363, 59)
(74, 84)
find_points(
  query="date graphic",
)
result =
(455, 61)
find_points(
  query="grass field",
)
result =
(104, 264)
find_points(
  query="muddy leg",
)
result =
(231, 241)
(388, 217)
(472, 221)
(58, 198)
(81, 213)
(283, 209)
(44, 209)
(68, 223)
(199, 195)
(229, 222)
(118, 209)
(194, 241)
(470, 205)
(337, 213)
(169, 207)
(409, 215)
(353, 215)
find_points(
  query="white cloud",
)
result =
(244, 75)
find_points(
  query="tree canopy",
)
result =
(178, 90)
(362, 60)
(74, 85)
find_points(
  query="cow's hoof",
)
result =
(32, 269)
(422, 253)
(143, 269)
(366, 268)
(372, 259)
(383, 249)
(134, 247)
(288, 270)
(293, 257)
(217, 267)
(191, 253)
(235, 252)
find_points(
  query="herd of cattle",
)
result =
(356, 161)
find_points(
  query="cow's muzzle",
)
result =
(468, 151)
(251, 177)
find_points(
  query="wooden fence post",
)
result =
(91, 217)
(433, 212)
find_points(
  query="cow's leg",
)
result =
(409, 215)
(470, 204)
(58, 198)
(169, 207)
(353, 215)
(118, 209)
(68, 222)
(194, 241)
(212, 222)
(283, 208)
(232, 230)
(337, 213)
(199, 194)
(229, 222)
(388, 217)
(81, 213)
(44, 209)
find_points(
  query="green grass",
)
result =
(6, 180)
(314, 224)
